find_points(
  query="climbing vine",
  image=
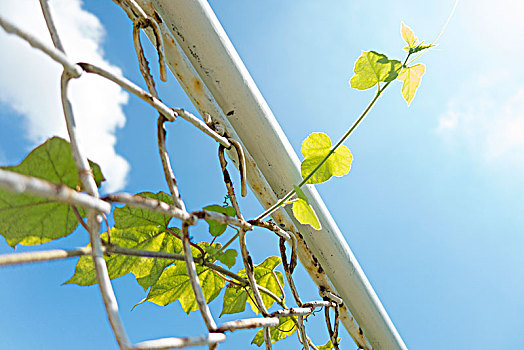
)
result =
(54, 190)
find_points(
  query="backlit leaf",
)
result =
(315, 148)
(146, 270)
(235, 299)
(328, 345)
(264, 277)
(372, 68)
(285, 328)
(132, 217)
(174, 284)
(305, 214)
(409, 36)
(29, 220)
(411, 77)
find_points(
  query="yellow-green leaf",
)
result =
(265, 277)
(315, 148)
(28, 220)
(132, 217)
(235, 299)
(174, 284)
(305, 214)
(372, 68)
(328, 345)
(285, 328)
(411, 77)
(146, 270)
(409, 36)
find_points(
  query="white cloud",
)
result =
(492, 129)
(30, 83)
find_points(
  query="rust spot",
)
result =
(197, 86)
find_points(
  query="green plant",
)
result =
(323, 161)
(164, 260)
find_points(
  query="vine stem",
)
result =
(379, 92)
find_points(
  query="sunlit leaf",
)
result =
(132, 217)
(421, 47)
(146, 270)
(285, 328)
(216, 228)
(265, 278)
(315, 148)
(372, 68)
(305, 214)
(174, 285)
(409, 36)
(328, 345)
(411, 77)
(29, 220)
(235, 299)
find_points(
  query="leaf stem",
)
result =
(379, 92)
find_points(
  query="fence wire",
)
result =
(96, 206)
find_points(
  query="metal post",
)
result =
(202, 38)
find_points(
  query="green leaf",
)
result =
(409, 36)
(227, 257)
(132, 217)
(421, 47)
(300, 193)
(315, 148)
(305, 214)
(97, 173)
(30, 220)
(174, 285)
(146, 270)
(216, 228)
(328, 345)
(235, 299)
(372, 68)
(411, 77)
(285, 328)
(264, 277)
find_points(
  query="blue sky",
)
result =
(432, 206)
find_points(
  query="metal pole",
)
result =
(199, 33)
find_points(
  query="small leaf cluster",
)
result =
(321, 160)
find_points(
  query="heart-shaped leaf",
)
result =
(216, 228)
(315, 148)
(372, 68)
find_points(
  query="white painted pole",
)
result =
(199, 33)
